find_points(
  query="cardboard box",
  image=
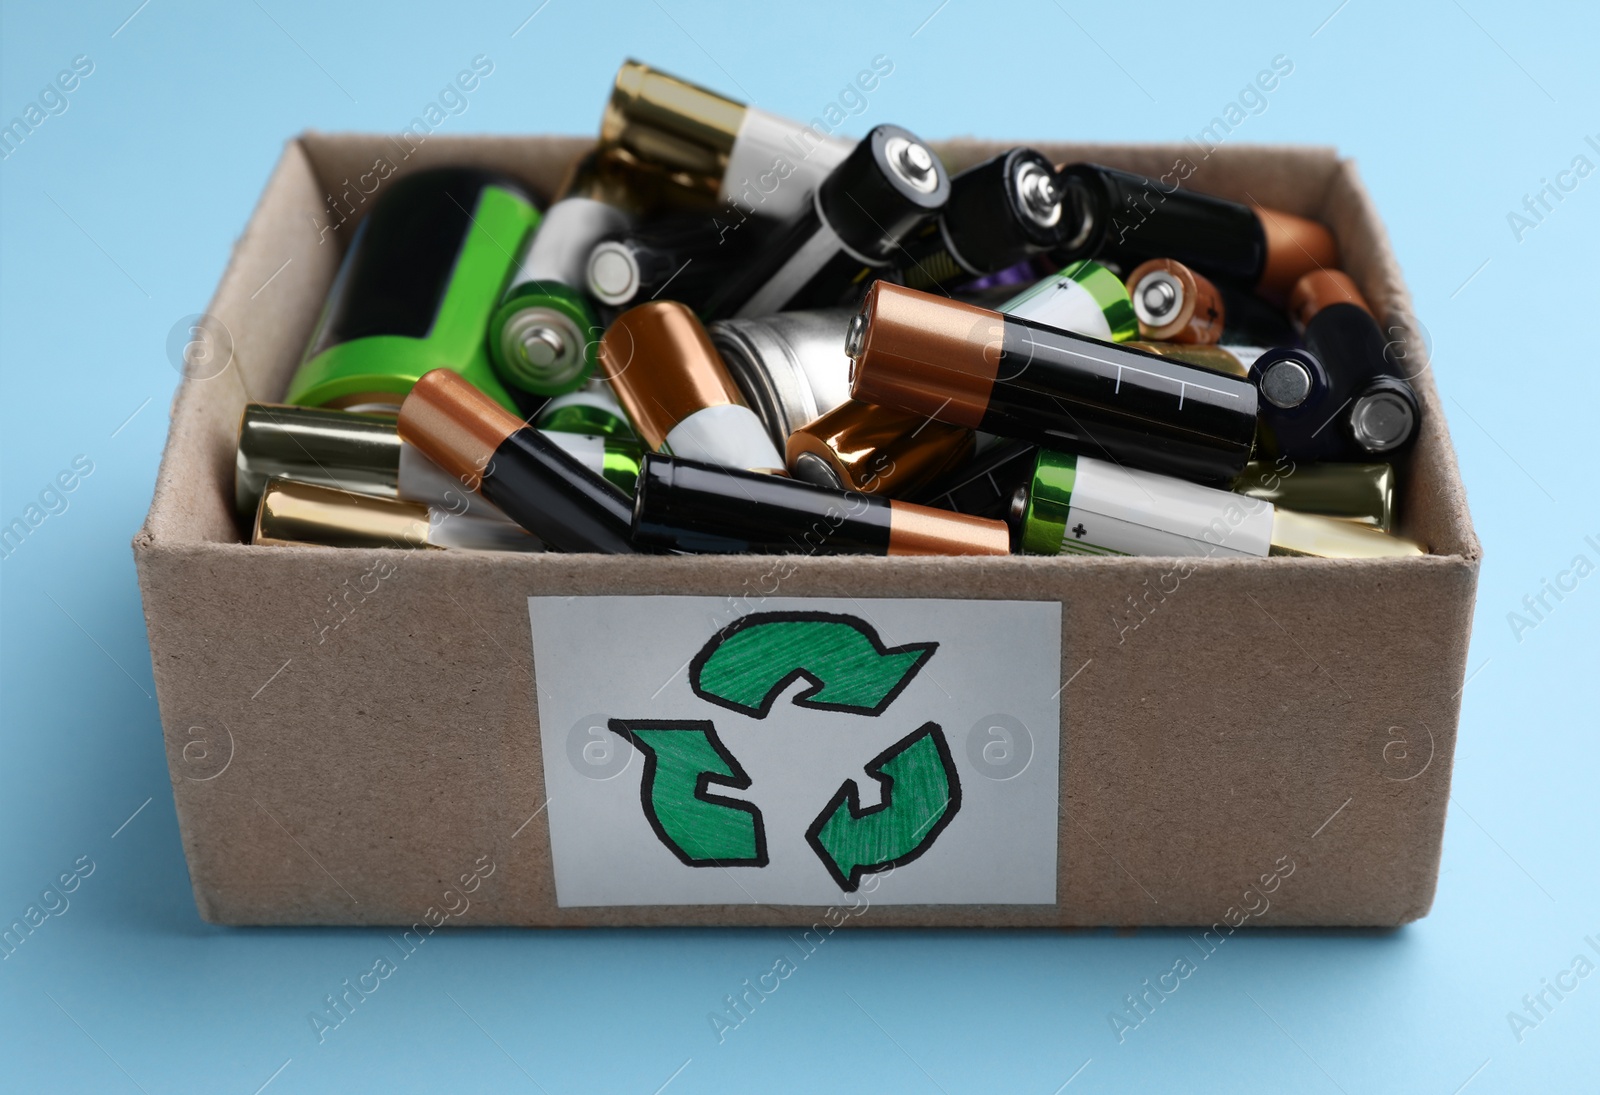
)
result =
(354, 738)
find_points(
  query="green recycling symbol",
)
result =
(745, 667)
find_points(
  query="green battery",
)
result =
(416, 290)
(592, 409)
(543, 336)
(1082, 297)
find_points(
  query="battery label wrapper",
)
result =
(756, 178)
(1123, 511)
(730, 435)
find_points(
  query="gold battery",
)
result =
(655, 121)
(301, 513)
(1363, 493)
(876, 450)
(1332, 538)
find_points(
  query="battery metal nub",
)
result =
(1285, 383)
(1037, 194)
(1381, 420)
(613, 272)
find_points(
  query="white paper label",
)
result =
(698, 752)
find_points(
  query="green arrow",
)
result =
(681, 762)
(748, 664)
(921, 794)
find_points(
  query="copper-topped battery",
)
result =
(876, 450)
(931, 356)
(662, 367)
(1320, 289)
(1016, 378)
(1295, 246)
(458, 430)
(1175, 304)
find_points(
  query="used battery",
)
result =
(416, 290)
(678, 394)
(875, 450)
(1015, 378)
(1128, 218)
(888, 187)
(790, 366)
(1000, 212)
(715, 149)
(592, 409)
(1352, 404)
(1175, 304)
(1355, 492)
(985, 485)
(1084, 298)
(536, 482)
(687, 505)
(291, 512)
(684, 259)
(1078, 505)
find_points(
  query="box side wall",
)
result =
(1218, 715)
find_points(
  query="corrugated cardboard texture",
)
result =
(1253, 713)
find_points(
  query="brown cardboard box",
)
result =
(1267, 711)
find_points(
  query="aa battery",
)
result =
(1000, 212)
(1365, 409)
(686, 505)
(660, 363)
(684, 259)
(292, 512)
(791, 367)
(1084, 298)
(535, 481)
(1015, 378)
(416, 290)
(875, 450)
(542, 336)
(352, 452)
(1363, 493)
(985, 485)
(1129, 219)
(1077, 505)
(592, 409)
(715, 149)
(889, 186)
(1175, 304)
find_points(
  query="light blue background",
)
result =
(117, 219)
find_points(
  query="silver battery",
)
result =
(791, 366)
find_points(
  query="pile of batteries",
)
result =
(729, 332)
